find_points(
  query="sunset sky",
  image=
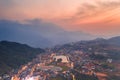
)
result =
(96, 17)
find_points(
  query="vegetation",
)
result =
(59, 60)
(85, 77)
(13, 55)
(113, 78)
(107, 66)
(79, 76)
(58, 78)
(97, 56)
(64, 68)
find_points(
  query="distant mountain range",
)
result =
(97, 45)
(37, 33)
(13, 55)
(111, 41)
(114, 40)
(96, 49)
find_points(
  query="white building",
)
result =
(65, 59)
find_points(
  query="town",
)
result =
(61, 66)
(91, 60)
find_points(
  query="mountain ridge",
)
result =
(114, 41)
(13, 55)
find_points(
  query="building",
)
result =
(64, 59)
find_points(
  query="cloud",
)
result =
(88, 16)
(97, 17)
(96, 11)
(6, 3)
(38, 33)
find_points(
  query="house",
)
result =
(64, 59)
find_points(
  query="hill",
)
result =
(99, 45)
(13, 55)
(114, 40)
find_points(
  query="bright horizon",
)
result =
(96, 17)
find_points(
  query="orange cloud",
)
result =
(101, 17)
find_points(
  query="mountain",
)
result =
(38, 33)
(99, 45)
(114, 40)
(13, 55)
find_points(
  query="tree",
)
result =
(59, 60)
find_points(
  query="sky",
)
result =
(95, 17)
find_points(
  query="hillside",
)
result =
(111, 46)
(114, 40)
(13, 55)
